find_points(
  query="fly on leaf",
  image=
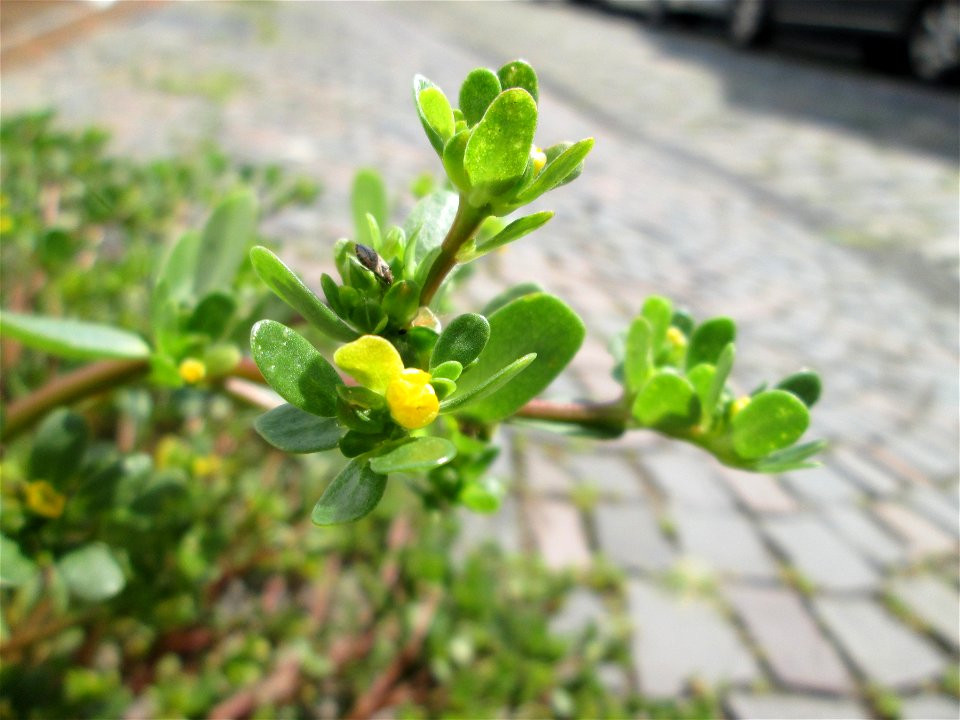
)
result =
(369, 258)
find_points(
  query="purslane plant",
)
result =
(423, 398)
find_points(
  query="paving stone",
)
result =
(611, 474)
(940, 508)
(885, 651)
(929, 707)
(819, 553)
(500, 528)
(580, 610)
(863, 532)
(629, 535)
(759, 493)
(821, 485)
(725, 541)
(545, 471)
(922, 538)
(677, 639)
(743, 706)
(870, 477)
(558, 533)
(796, 649)
(934, 601)
(688, 479)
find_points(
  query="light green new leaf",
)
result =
(659, 312)
(452, 157)
(437, 111)
(488, 386)
(514, 231)
(291, 289)
(175, 281)
(369, 196)
(74, 339)
(711, 402)
(772, 420)
(58, 447)
(15, 567)
(91, 573)
(556, 172)
(223, 246)
(292, 430)
(709, 339)
(416, 455)
(462, 340)
(294, 368)
(352, 494)
(638, 354)
(667, 401)
(519, 74)
(484, 495)
(791, 458)
(480, 88)
(499, 148)
(420, 84)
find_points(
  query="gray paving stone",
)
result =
(865, 534)
(923, 538)
(545, 471)
(870, 477)
(678, 639)
(934, 601)
(929, 707)
(801, 658)
(630, 536)
(821, 486)
(743, 706)
(819, 553)
(759, 493)
(611, 474)
(500, 528)
(688, 479)
(939, 507)
(558, 533)
(580, 610)
(885, 651)
(725, 541)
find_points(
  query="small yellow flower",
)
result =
(738, 405)
(539, 159)
(6, 223)
(412, 400)
(44, 500)
(206, 465)
(676, 337)
(192, 371)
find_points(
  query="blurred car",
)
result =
(924, 33)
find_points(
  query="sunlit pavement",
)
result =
(816, 203)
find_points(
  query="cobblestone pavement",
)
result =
(815, 204)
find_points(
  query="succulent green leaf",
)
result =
(91, 573)
(667, 401)
(773, 420)
(294, 368)
(462, 340)
(449, 370)
(292, 430)
(702, 378)
(514, 231)
(519, 74)
(711, 401)
(401, 302)
(368, 197)
(420, 84)
(658, 311)
(443, 387)
(683, 321)
(437, 111)
(709, 339)
(212, 315)
(415, 455)
(479, 90)
(484, 495)
(291, 289)
(360, 396)
(74, 339)
(359, 442)
(331, 291)
(509, 295)
(351, 495)
(638, 358)
(178, 270)
(499, 148)
(428, 222)
(557, 172)
(15, 568)
(791, 458)
(58, 447)
(452, 158)
(804, 384)
(223, 246)
(488, 386)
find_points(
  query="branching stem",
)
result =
(465, 224)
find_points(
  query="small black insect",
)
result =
(369, 258)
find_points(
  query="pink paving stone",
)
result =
(558, 533)
(760, 493)
(922, 537)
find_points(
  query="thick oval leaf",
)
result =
(92, 573)
(709, 339)
(519, 74)
(369, 196)
(294, 368)
(478, 91)
(437, 112)
(638, 354)
(352, 494)
(488, 386)
(537, 323)
(659, 312)
(462, 340)
(212, 315)
(292, 430)
(223, 246)
(772, 420)
(509, 295)
(667, 401)
(499, 148)
(711, 403)
(73, 339)
(804, 384)
(420, 84)
(291, 289)
(417, 455)
(59, 446)
(15, 568)
(449, 370)
(557, 172)
(452, 158)
(514, 231)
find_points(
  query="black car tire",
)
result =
(748, 22)
(933, 44)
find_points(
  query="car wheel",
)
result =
(748, 22)
(934, 41)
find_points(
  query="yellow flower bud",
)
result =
(412, 400)
(370, 360)
(676, 337)
(192, 371)
(539, 159)
(44, 500)
(738, 405)
(205, 465)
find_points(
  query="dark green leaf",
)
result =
(667, 401)
(354, 493)
(73, 339)
(429, 221)
(773, 420)
(709, 339)
(683, 321)
(15, 567)
(331, 291)
(58, 447)
(557, 172)
(179, 270)
(361, 397)
(369, 196)
(499, 148)
(519, 74)
(478, 91)
(509, 295)
(294, 431)
(804, 384)
(91, 573)
(294, 368)
(290, 288)
(212, 315)
(462, 340)
(223, 247)
(357, 442)
(416, 455)
(401, 302)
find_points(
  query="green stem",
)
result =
(465, 224)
